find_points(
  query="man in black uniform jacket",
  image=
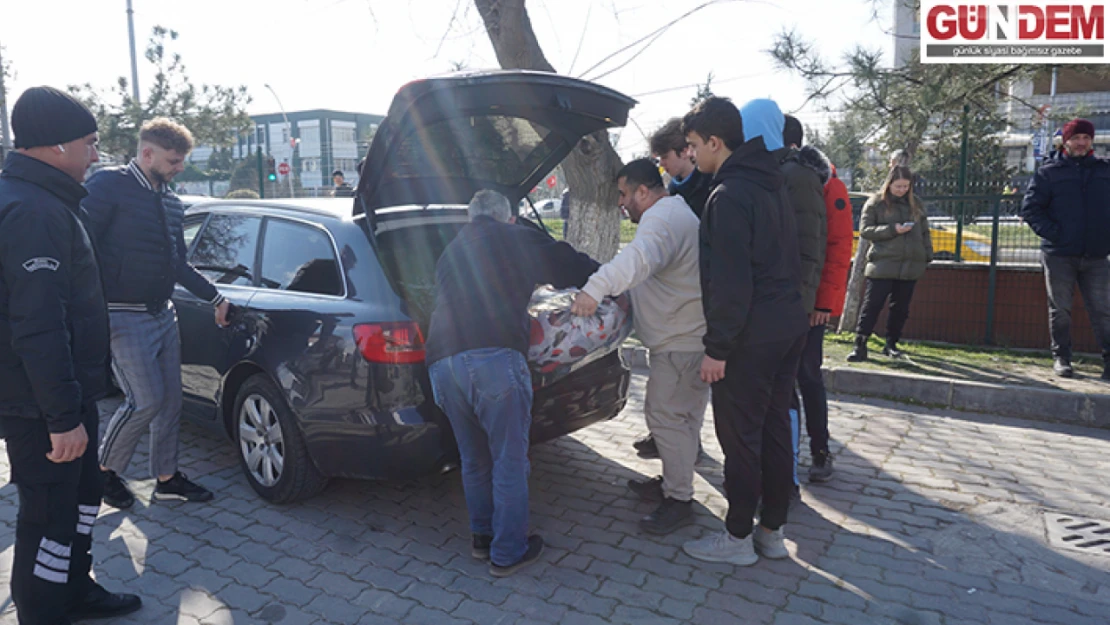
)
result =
(53, 361)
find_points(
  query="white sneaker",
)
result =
(722, 547)
(770, 544)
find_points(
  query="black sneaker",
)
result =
(650, 490)
(99, 603)
(646, 448)
(669, 516)
(822, 468)
(116, 493)
(479, 546)
(179, 487)
(535, 548)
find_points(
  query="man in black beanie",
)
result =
(53, 361)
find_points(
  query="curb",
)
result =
(1049, 405)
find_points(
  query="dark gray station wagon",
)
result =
(322, 372)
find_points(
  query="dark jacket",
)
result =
(895, 256)
(484, 280)
(695, 190)
(806, 172)
(750, 271)
(54, 339)
(343, 190)
(142, 247)
(1068, 206)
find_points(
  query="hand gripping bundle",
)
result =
(562, 342)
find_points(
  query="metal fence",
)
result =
(987, 284)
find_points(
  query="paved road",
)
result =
(933, 519)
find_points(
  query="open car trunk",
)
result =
(446, 138)
(410, 247)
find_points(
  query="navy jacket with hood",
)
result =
(750, 270)
(1068, 206)
(54, 339)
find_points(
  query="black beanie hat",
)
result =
(46, 116)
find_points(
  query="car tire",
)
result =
(272, 450)
(944, 256)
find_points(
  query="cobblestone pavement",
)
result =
(932, 519)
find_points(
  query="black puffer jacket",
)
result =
(749, 259)
(1068, 206)
(807, 170)
(54, 342)
(695, 190)
(138, 233)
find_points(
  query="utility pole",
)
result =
(5, 131)
(134, 61)
(292, 141)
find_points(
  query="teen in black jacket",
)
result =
(750, 280)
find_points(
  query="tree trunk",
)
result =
(850, 316)
(590, 167)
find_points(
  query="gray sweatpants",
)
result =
(146, 358)
(674, 408)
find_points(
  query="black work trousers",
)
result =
(58, 504)
(900, 293)
(751, 412)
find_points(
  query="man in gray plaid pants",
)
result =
(136, 222)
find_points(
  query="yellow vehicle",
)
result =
(976, 247)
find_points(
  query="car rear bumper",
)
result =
(413, 441)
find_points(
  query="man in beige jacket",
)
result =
(660, 266)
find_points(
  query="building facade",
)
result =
(314, 143)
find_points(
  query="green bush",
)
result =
(242, 194)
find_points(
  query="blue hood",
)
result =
(762, 118)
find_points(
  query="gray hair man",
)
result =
(477, 343)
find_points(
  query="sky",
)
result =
(353, 55)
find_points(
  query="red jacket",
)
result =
(838, 248)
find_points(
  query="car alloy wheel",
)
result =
(261, 441)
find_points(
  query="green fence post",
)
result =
(261, 179)
(992, 280)
(962, 184)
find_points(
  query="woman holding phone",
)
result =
(895, 223)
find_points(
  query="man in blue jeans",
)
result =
(476, 350)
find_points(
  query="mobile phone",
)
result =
(909, 224)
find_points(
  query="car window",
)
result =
(301, 258)
(226, 248)
(191, 228)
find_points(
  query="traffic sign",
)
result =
(551, 182)
(283, 169)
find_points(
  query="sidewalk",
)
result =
(966, 379)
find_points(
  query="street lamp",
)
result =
(292, 141)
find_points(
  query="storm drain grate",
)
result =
(1078, 533)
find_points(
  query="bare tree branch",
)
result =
(653, 35)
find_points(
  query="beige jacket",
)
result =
(660, 266)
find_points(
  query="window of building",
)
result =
(310, 164)
(340, 134)
(225, 250)
(300, 258)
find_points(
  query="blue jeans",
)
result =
(487, 396)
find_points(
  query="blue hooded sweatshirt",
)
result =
(762, 118)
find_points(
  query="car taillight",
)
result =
(393, 343)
